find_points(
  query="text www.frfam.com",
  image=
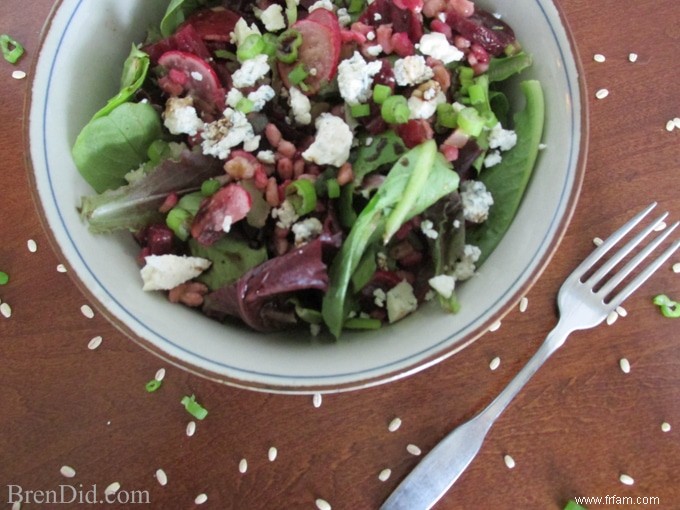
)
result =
(618, 500)
(70, 494)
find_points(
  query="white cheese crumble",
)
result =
(424, 108)
(180, 116)
(492, 159)
(223, 134)
(233, 97)
(226, 224)
(332, 143)
(273, 19)
(374, 50)
(427, 228)
(465, 267)
(400, 301)
(285, 214)
(379, 297)
(412, 70)
(250, 71)
(437, 46)
(503, 139)
(300, 106)
(306, 230)
(476, 201)
(242, 31)
(355, 77)
(165, 272)
(443, 284)
(266, 157)
(252, 144)
(261, 97)
(322, 4)
(344, 17)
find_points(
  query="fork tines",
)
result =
(599, 275)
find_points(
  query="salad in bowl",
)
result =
(328, 165)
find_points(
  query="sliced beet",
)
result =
(230, 203)
(213, 24)
(320, 50)
(402, 20)
(186, 39)
(483, 28)
(196, 78)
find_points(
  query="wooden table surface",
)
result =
(578, 425)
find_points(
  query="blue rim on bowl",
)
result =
(103, 268)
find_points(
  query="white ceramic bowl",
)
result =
(78, 69)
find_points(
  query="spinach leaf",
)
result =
(135, 69)
(231, 258)
(508, 180)
(176, 13)
(371, 222)
(109, 147)
(502, 68)
(384, 149)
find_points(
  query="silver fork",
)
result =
(584, 302)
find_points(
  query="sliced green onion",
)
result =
(302, 195)
(194, 408)
(360, 110)
(178, 220)
(573, 505)
(381, 92)
(466, 76)
(477, 94)
(291, 11)
(298, 74)
(153, 385)
(667, 306)
(270, 43)
(210, 187)
(12, 50)
(251, 47)
(447, 116)
(287, 45)
(395, 110)
(362, 323)
(245, 105)
(470, 121)
(4, 278)
(226, 55)
(333, 188)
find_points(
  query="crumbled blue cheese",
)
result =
(223, 134)
(300, 106)
(250, 71)
(233, 97)
(444, 284)
(252, 144)
(306, 230)
(503, 139)
(427, 228)
(165, 272)
(374, 50)
(424, 106)
(322, 4)
(344, 17)
(492, 158)
(180, 116)
(437, 46)
(272, 18)
(242, 30)
(267, 157)
(379, 297)
(412, 70)
(285, 214)
(261, 96)
(332, 142)
(355, 78)
(465, 267)
(476, 201)
(400, 301)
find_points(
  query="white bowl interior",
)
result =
(79, 68)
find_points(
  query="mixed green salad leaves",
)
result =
(333, 164)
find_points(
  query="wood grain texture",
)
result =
(578, 425)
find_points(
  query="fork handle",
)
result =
(444, 464)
